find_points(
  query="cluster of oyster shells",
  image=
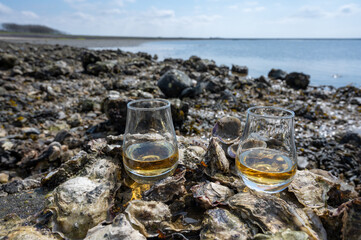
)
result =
(92, 198)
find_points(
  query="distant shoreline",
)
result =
(84, 41)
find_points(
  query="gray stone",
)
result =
(173, 82)
(7, 61)
(277, 74)
(297, 80)
(240, 69)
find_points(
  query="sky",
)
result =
(191, 18)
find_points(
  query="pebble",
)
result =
(4, 178)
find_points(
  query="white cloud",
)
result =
(207, 18)
(83, 16)
(29, 14)
(160, 13)
(248, 7)
(120, 3)
(4, 9)
(349, 9)
(310, 12)
(115, 11)
(254, 9)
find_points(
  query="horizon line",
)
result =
(74, 36)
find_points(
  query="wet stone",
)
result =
(297, 80)
(277, 74)
(240, 69)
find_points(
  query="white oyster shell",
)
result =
(221, 224)
(272, 214)
(79, 204)
(211, 194)
(120, 229)
(148, 217)
(311, 189)
(28, 233)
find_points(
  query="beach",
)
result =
(63, 112)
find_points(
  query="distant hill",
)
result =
(29, 28)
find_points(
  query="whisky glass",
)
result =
(266, 157)
(150, 150)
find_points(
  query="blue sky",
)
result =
(191, 18)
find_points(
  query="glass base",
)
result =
(146, 179)
(266, 188)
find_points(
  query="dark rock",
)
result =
(75, 120)
(351, 138)
(49, 154)
(89, 58)
(10, 86)
(262, 82)
(7, 61)
(20, 185)
(52, 70)
(297, 80)
(277, 74)
(16, 71)
(7, 159)
(30, 131)
(223, 70)
(101, 67)
(356, 101)
(173, 82)
(66, 170)
(86, 105)
(61, 136)
(209, 83)
(179, 111)
(240, 69)
(190, 92)
(200, 65)
(59, 68)
(115, 108)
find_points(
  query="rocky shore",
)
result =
(62, 117)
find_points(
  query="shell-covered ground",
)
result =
(63, 112)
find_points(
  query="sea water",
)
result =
(334, 62)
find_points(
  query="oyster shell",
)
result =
(271, 213)
(28, 233)
(166, 189)
(227, 129)
(284, 235)
(191, 156)
(148, 217)
(119, 229)
(79, 204)
(221, 224)
(232, 150)
(230, 181)
(66, 170)
(350, 213)
(216, 158)
(312, 189)
(103, 169)
(211, 194)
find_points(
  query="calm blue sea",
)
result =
(329, 62)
